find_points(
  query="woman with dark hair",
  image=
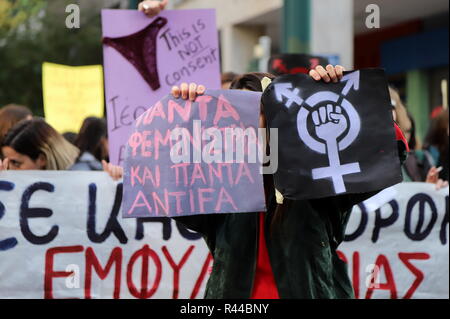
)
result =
(35, 145)
(10, 115)
(288, 251)
(92, 140)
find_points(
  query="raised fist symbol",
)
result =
(330, 122)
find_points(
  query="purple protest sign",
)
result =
(186, 158)
(144, 58)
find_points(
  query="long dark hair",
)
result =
(252, 82)
(90, 137)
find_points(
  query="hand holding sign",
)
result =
(337, 137)
(178, 159)
(144, 58)
(152, 8)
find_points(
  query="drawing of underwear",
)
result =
(140, 50)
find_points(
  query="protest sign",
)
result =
(71, 94)
(199, 157)
(145, 57)
(401, 250)
(61, 237)
(336, 138)
(281, 64)
(52, 249)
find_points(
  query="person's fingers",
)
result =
(192, 91)
(184, 91)
(339, 71)
(323, 74)
(176, 91)
(116, 173)
(431, 179)
(105, 166)
(332, 73)
(439, 184)
(151, 8)
(315, 75)
(5, 164)
(201, 89)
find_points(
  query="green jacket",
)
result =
(302, 249)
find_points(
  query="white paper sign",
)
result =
(61, 236)
(401, 250)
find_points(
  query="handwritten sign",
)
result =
(400, 251)
(71, 94)
(62, 237)
(145, 57)
(187, 158)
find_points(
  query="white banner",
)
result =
(61, 236)
(400, 250)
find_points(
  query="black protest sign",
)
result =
(334, 138)
(282, 64)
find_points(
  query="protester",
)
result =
(35, 145)
(10, 115)
(436, 143)
(400, 113)
(227, 79)
(288, 252)
(92, 141)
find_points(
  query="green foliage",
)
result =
(25, 43)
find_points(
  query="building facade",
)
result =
(409, 38)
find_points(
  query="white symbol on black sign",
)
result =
(336, 126)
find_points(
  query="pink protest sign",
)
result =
(187, 158)
(144, 58)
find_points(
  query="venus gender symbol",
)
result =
(336, 125)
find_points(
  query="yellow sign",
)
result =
(71, 94)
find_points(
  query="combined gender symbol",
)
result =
(335, 126)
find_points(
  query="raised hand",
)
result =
(116, 172)
(152, 8)
(329, 74)
(188, 91)
(330, 123)
(4, 164)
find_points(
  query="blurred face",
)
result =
(18, 161)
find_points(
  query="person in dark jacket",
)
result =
(92, 140)
(288, 251)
